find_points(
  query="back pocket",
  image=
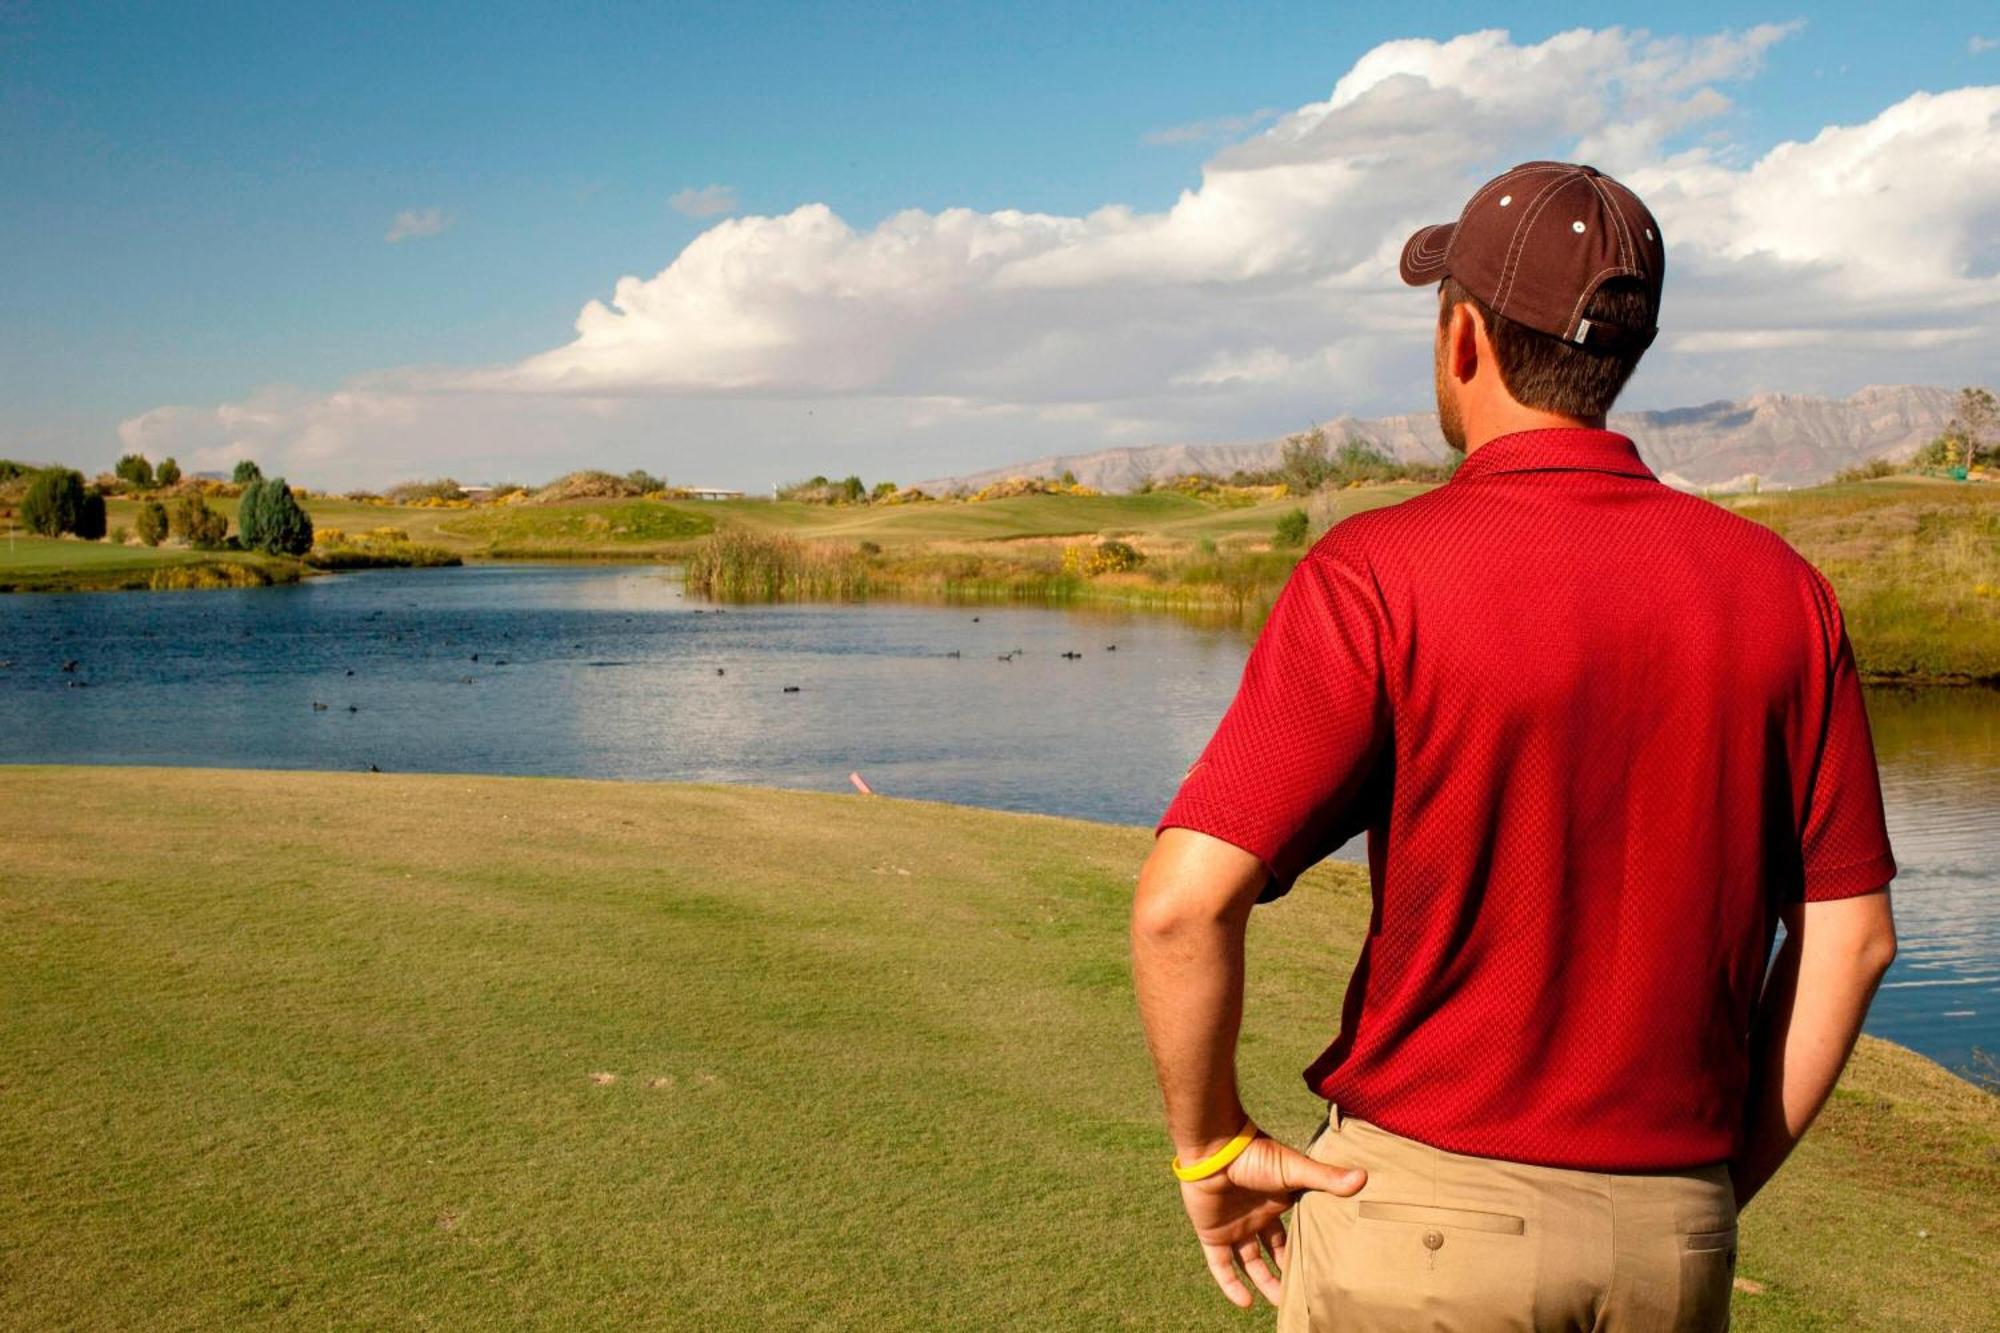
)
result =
(1467, 1219)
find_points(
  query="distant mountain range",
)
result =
(1769, 439)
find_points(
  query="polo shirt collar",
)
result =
(1560, 448)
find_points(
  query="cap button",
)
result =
(1433, 1239)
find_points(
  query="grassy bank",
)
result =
(1916, 562)
(55, 564)
(377, 1049)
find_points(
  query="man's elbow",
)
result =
(1163, 908)
(1855, 935)
(1876, 947)
(1189, 884)
(1878, 950)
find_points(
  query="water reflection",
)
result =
(1939, 752)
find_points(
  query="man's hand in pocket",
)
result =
(1239, 1211)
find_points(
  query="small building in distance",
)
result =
(711, 493)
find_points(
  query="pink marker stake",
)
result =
(859, 785)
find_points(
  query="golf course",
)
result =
(372, 1049)
(1916, 558)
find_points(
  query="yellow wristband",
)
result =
(1218, 1159)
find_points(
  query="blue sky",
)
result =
(198, 197)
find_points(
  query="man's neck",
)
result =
(1514, 418)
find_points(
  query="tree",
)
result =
(250, 515)
(1972, 423)
(54, 502)
(1292, 526)
(167, 473)
(246, 472)
(135, 471)
(151, 524)
(1942, 451)
(1305, 461)
(198, 525)
(269, 518)
(851, 489)
(90, 516)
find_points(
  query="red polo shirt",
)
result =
(1596, 731)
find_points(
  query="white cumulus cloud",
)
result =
(1264, 295)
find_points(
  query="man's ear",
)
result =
(1465, 341)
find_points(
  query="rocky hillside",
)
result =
(1779, 439)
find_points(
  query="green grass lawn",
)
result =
(59, 564)
(359, 1049)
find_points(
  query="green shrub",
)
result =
(198, 525)
(135, 471)
(1867, 471)
(1115, 556)
(152, 522)
(167, 473)
(54, 502)
(120, 535)
(269, 518)
(1292, 525)
(246, 472)
(416, 492)
(90, 516)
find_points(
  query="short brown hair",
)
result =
(1550, 374)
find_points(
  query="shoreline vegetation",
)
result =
(388, 1046)
(1914, 552)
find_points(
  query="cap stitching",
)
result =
(1624, 232)
(1502, 179)
(1418, 257)
(1505, 179)
(1519, 244)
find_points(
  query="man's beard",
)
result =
(1448, 419)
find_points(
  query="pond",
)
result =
(610, 671)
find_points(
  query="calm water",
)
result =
(610, 672)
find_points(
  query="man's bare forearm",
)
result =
(1188, 923)
(1814, 1002)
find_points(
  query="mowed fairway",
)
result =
(365, 1049)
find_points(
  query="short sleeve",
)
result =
(1284, 775)
(1844, 839)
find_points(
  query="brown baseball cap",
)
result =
(1535, 243)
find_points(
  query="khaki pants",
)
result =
(1443, 1241)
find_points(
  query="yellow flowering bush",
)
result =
(1109, 557)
